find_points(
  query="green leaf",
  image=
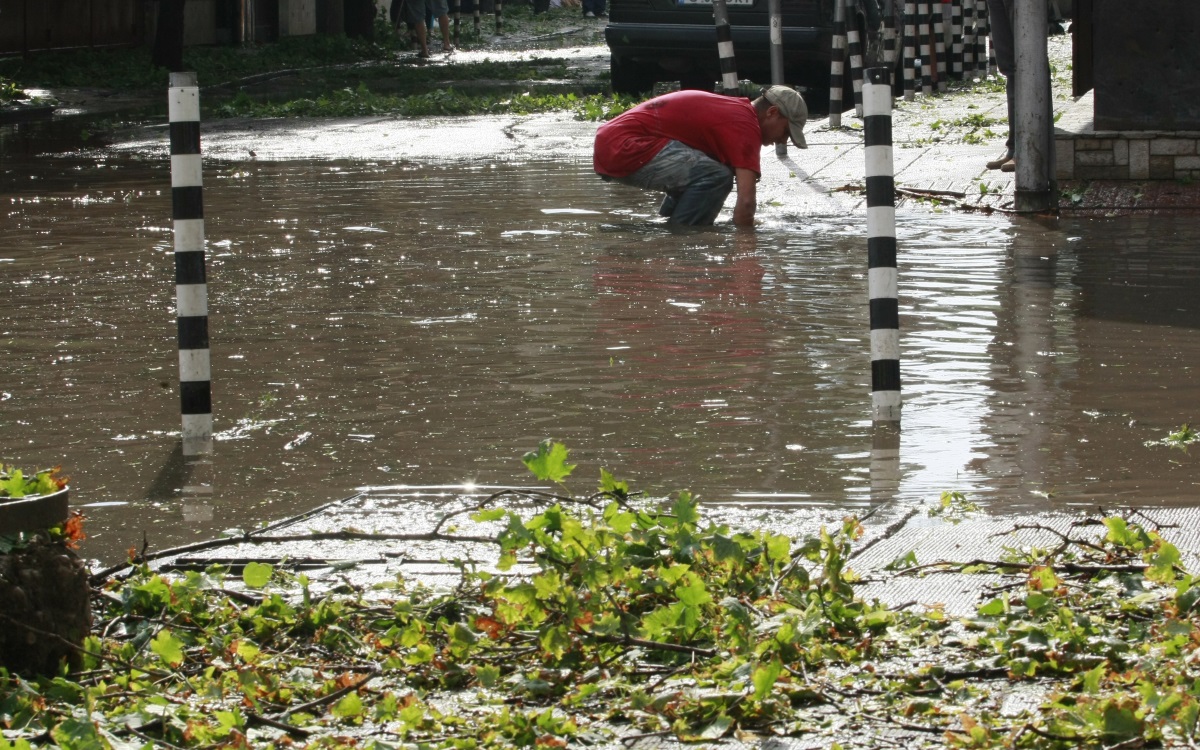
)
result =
(1121, 724)
(764, 678)
(694, 594)
(256, 575)
(1163, 562)
(1093, 678)
(78, 734)
(549, 462)
(993, 608)
(488, 514)
(349, 707)
(686, 509)
(168, 647)
(611, 486)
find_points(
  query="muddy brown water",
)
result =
(396, 324)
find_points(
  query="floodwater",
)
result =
(400, 324)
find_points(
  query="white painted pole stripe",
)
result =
(884, 344)
(191, 300)
(882, 282)
(189, 235)
(725, 49)
(194, 365)
(185, 170)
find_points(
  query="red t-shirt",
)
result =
(724, 127)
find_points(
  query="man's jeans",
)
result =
(696, 184)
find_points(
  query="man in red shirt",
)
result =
(692, 145)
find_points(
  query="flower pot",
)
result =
(33, 512)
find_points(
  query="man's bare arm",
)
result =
(743, 209)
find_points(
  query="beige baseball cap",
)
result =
(792, 105)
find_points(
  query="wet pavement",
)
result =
(406, 304)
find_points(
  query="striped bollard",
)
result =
(969, 39)
(837, 65)
(775, 16)
(889, 39)
(956, 40)
(499, 17)
(939, 43)
(981, 37)
(881, 247)
(729, 81)
(456, 8)
(191, 287)
(476, 17)
(854, 45)
(910, 50)
(926, 50)
(991, 55)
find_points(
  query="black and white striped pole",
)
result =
(926, 51)
(889, 37)
(981, 37)
(191, 285)
(854, 45)
(969, 38)
(910, 50)
(956, 40)
(939, 43)
(729, 80)
(882, 279)
(456, 9)
(837, 65)
(499, 16)
(775, 16)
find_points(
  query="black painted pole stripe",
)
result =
(877, 130)
(885, 313)
(195, 397)
(880, 190)
(881, 252)
(885, 375)
(189, 267)
(193, 331)
(185, 138)
(187, 203)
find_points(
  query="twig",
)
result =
(1065, 567)
(268, 721)
(326, 699)
(656, 645)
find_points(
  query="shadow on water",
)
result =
(387, 324)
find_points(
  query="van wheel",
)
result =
(630, 78)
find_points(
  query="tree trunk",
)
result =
(168, 39)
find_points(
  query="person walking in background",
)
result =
(692, 145)
(1000, 16)
(415, 14)
(593, 9)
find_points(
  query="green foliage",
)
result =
(616, 620)
(1180, 439)
(549, 461)
(14, 483)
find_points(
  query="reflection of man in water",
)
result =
(691, 145)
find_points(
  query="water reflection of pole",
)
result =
(191, 287)
(882, 284)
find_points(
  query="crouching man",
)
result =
(693, 145)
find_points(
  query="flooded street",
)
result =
(393, 323)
